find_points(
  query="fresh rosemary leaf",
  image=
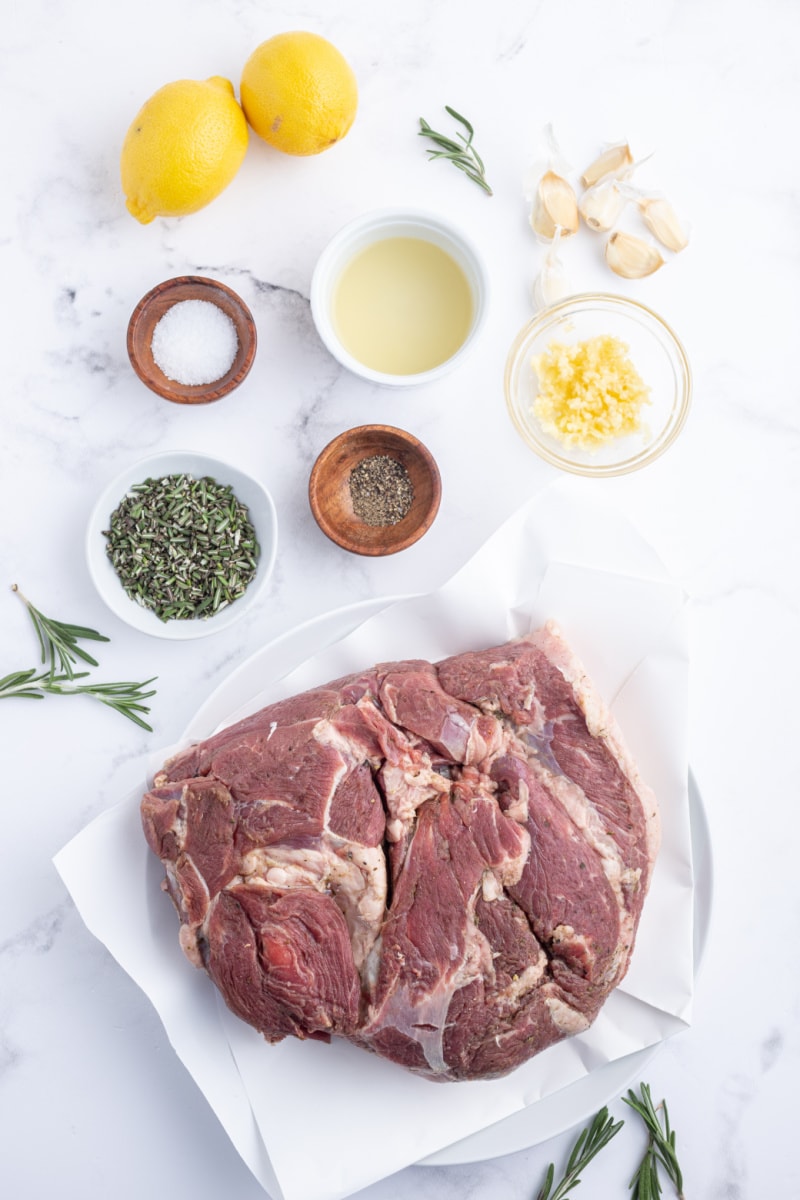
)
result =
(17, 684)
(439, 139)
(645, 1184)
(660, 1148)
(461, 153)
(548, 1182)
(123, 697)
(463, 120)
(60, 653)
(467, 171)
(589, 1143)
(58, 641)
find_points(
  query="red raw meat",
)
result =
(444, 863)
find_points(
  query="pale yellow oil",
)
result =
(402, 305)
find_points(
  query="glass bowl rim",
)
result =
(635, 310)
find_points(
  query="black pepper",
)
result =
(381, 490)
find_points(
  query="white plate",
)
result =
(228, 702)
(579, 1102)
(249, 491)
(572, 1105)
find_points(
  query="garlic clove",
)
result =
(660, 218)
(552, 283)
(613, 161)
(549, 159)
(632, 257)
(550, 286)
(601, 205)
(554, 206)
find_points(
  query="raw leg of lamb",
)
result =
(444, 863)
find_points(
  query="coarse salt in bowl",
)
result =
(194, 342)
(261, 514)
(191, 340)
(653, 349)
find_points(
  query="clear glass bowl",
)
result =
(656, 353)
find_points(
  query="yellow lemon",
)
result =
(184, 147)
(298, 93)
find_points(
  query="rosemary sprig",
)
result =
(125, 698)
(461, 153)
(59, 641)
(645, 1183)
(60, 650)
(590, 1142)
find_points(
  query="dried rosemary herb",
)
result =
(381, 490)
(181, 546)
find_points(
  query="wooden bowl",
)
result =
(151, 309)
(332, 504)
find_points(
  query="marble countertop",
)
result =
(93, 1100)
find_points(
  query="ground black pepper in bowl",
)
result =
(381, 490)
(182, 547)
(374, 490)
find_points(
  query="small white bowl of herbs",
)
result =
(180, 545)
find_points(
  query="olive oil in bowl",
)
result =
(402, 305)
(400, 296)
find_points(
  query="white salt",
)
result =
(194, 342)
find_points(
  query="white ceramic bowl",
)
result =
(249, 491)
(388, 223)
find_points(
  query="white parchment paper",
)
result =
(559, 558)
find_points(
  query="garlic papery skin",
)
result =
(552, 283)
(614, 161)
(632, 257)
(601, 205)
(660, 218)
(550, 159)
(555, 206)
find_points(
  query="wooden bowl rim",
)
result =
(197, 287)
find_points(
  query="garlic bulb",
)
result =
(632, 257)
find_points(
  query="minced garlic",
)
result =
(589, 392)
